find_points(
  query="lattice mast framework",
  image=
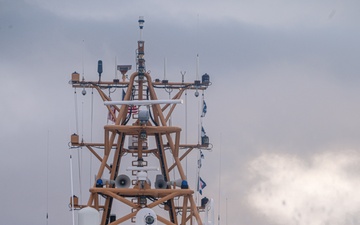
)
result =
(141, 88)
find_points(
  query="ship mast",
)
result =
(140, 118)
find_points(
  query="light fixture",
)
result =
(141, 22)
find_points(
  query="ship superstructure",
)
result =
(141, 131)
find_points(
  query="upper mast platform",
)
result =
(141, 120)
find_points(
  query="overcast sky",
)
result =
(283, 108)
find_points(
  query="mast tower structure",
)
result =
(150, 123)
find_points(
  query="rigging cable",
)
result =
(72, 190)
(186, 125)
(47, 179)
(186, 130)
(77, 126)
(200, 120)
(82, 121)
(199, 128)
(131, 108)
(219, 209)
(76, 112)
(202, 116)
(91, 131)
(80, 152)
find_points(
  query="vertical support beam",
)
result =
(106, 155)
(117, 157)
(195, 211)
(177, 161)
(165, 172)
(140, 90)
(184, 210)
(96, 201)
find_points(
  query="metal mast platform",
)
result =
(141, 118)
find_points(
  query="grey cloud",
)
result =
(288, 88)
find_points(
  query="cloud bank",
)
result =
(320, 190)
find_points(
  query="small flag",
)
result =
(204, 110)
(203, 133)
(201, 185)
(199, 160)
(123, 94)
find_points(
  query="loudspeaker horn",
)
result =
(160, 182)
(177, 182)
(122, 181)
(103, 181)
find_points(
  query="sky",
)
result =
(283, 107)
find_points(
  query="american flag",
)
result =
(133, 109)
(110, 115)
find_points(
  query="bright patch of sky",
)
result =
(320, 190)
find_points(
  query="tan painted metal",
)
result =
(164, 136)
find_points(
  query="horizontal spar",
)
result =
(141, 192)
(144, 102)
(136, 129)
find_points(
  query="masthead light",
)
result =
(141, 22)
